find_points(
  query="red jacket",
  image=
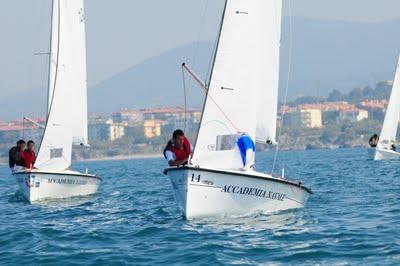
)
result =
(181, 154)
(30, 158)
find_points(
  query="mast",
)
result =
(52, 87)
(51, 42)
(241, 68)
(67, 86)
(212, 70)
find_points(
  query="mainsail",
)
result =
(67, 92)
(242, 96)
(391, 123)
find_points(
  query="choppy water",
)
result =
(353, 218)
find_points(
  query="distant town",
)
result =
(339, 120)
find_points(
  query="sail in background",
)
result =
(391, 123)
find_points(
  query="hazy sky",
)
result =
(352, 10)
(123, 33)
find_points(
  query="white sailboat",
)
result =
(385, 150)
(66, 123)
(242, 97)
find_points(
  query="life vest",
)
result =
(30, 158)
(245, 143)
(181, 154)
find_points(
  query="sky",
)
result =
(123, 33)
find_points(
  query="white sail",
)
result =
(238, 77)
(268, 47)
(68, 48)
(391, 123)
(67, 112)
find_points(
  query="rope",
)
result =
(196, 48)
(184, 98)
(23, 128)
(287, 83)
(223, 113)
(194, 57)
(208, 95)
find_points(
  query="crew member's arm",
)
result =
(11, 158)
(34, 159)
(172, 161)
(177, 162)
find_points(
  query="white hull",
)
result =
(36, 186)
(378, 154)
(206, 192)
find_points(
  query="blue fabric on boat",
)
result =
(245, 143)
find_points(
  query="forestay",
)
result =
(242, 94)
(391, 123)
(67, 106)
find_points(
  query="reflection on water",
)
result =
(62, 203)
(291, 221)
(66, 203)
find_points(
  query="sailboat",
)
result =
(66, 123)
(242, 98)
(386, 146)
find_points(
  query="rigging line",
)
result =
(212, 59)
(57, 65)
(34, 70)
(215, 48)
(50, 54)
(210, 77)
(287, 83)
(23, 128)
(223, 113)
(203, 18)
(185, 98)
(194, 56)
(208, 95)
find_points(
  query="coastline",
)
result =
(122, 158)
(157, 155)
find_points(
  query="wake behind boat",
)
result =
(383, 147)
(240, 108)
(66, 123)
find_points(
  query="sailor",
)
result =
(373, 141)
(393, 147)
(29, 155)
(16, 156)
(247, 149)
(178, 150)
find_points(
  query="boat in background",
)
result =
(242, 97)
(386, 146)
(66, 123)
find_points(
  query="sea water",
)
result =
(353, 218)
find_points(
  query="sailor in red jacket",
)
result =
(178, 150)
(29, 155)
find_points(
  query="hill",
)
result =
(327, 55)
